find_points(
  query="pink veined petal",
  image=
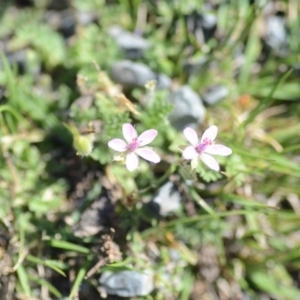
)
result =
(129, 132)
(210, 162)
(189, 153)
(191, 135)
(218, 150)
(148, 154)
(147, 137)
(210, 133)
(132, 161)
(117, 145)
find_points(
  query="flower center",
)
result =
(200, 148)
(133, 145)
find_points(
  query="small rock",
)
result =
(67, 24)
(202, 25)
(215, 93)
(276, 34)
(163, 81)
(127, 283)
(17, 58)
(131, 74)
(132, 44)
(98, 217)
(188, 108)
(62, 21)
(208, 22)
(166, 201)
(86, 17)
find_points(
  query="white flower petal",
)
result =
(210, 162)
(218, 150)
(189, 153)
(191, 135)
(147, 137)
(210, 133)
(148, 154)
(132, 161)
(129, 132)
(117, 145)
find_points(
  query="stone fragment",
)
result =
(215, 93)
(188, 109)
(131, 74)
(166, 201)
(130, 43)
(127, 283)
(276, 36)
(96, 218)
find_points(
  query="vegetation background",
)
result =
(67, 218)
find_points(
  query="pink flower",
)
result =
(204, 148)
(134, 146)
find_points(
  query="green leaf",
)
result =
(267, 281)
(46, 284)
(47, 263)
(68, 246)
(268, 100)
(24, 280)
(79, 278)
(207, 174)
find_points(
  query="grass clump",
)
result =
(69, 212)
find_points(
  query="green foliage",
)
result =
(48, 44)
(91, 45)
(242, 223)
(236, 169)
(207, 174)
(155, 115)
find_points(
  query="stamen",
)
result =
(133, 145)
(200, 148)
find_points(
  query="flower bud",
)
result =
(83, 144)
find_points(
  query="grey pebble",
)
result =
(127, 283)
(166, 201)
(131, 74)
(130, 43)
(188, 109)
(215, 93)
(276, 34)
(96, 218)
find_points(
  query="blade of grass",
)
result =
(12, 111)
(48, 285)
(248, 202)
(267, 101)
(251, 53)
(79, 279)
(46, 263)
(202, 203)
(68, 246)
(187, 286)
(10, 80)
(191, 220)
(24, 280)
